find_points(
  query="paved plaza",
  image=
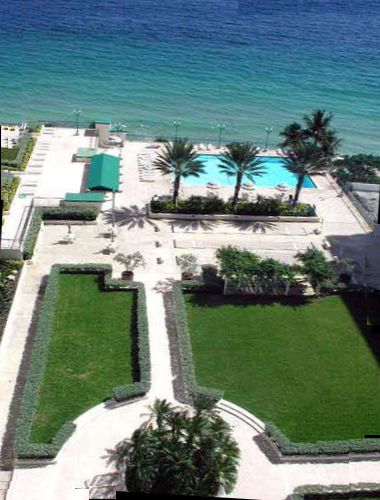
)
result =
(83, 468)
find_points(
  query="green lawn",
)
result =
(311, 369)
(89, 352)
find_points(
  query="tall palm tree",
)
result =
(304, 159)
(317, 124)
(293, 135)
(179, 159)
(239, 160)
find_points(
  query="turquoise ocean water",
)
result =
(250, 64)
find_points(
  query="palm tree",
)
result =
(317, 124)
(304, 159)
(238, 161)
(293, 135)
(179, 159)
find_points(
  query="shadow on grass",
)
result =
(204, 299)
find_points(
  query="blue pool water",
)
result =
(275, 173)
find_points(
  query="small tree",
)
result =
(130, 261)
(180, 452)
(188, 263)
(317, 269)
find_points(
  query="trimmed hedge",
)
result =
(308, 492)
(8, 191)
(351, 446)
(24, 152)
(53, 213)
(24, 448)
(201, 395)
(205, 205)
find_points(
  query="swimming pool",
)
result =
(274, 173)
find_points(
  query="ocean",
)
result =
(249, 65)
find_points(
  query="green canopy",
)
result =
(103, 174)
(93, 197)
(85, 152)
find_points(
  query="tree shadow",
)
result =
(129, 217)
(194, 225)
(204, 299)
(260, 227)
(105, 486)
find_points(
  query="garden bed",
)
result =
(308, 365)
(91, 344)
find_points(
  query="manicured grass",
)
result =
(89, 352)
(311, 369)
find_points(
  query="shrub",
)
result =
(336, 491)
(357, 168)
(204, 205)
(319, 271)
(24, 448)
(8, 190)
(24, 152)
(9, 155)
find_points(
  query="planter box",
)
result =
(231, 217)
(72, 222)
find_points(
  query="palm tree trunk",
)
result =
(300, 180)
(237, 191)
(176, 185)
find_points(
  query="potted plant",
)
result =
(131, 261)
(188, 264)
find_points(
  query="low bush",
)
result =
(344, 491)
(24, 152)
(8, 191)
(70, 213)
(9, 155)
(23, 446)
(205, 205)
(287, 447)
(203, 396)
(357, 168)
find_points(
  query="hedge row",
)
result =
(24, 448)
(24, 153)
(287, 447)
(308, 492)
(201, 395)
(8, 191)
(206, 205)
(53, 213)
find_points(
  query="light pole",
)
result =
(268, 130)
(176, 125)
(221, 127)
(77, 113)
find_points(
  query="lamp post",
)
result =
(268, 130)
(77, 113)
(221, 127)
(176, 125)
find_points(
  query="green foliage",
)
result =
(318, 270)
(180, 160)
(185, 352)
(24, 447)
(9, 155)
(243, 268)
(8, 190)
(205, 205)
(52, 213)
(24, 152)
(188, 263)
(70, 213)
(323, 492)
(357, 168)
(8, 273)
(288, 447)
(180, 453)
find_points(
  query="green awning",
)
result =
(95, 197)
(103, 174)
